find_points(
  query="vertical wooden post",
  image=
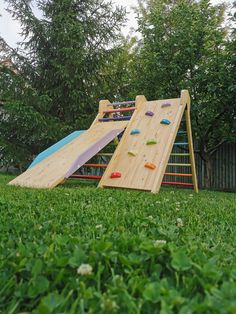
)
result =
(190, 143)
(103, 105)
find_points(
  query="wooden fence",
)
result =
(223, 169)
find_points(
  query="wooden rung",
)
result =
(95, 165)
(81, 176)
(179, 154)
(104, 154)
(124, 118)
(177, 183)
(178, 174)
(181, 143)
(181, 132)
(120, 110)
(129, 102)
(179, 165)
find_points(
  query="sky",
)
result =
(10, 29)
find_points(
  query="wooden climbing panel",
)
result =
(151, 147)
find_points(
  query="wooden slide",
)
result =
(138, 154)
(64, 162)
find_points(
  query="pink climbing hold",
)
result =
(149, 113)
(166, 104)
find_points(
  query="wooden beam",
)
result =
(190, 141)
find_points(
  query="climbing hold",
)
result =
(165, 121)
(166, 104)
(132, 153)
(151, 141)
(150, 165)
(149, 113)
(115, 175)
(135, 131)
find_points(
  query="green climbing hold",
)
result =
(132, 153)
(152, 141)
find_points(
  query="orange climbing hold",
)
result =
(150, 165)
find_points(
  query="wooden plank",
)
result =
(175, 174)
(115, 119)
(177, 183)
(179, 165)
(95, 165)
(64, 162)
(105, 154)
(181, 144)
(120, 110)
(170, 139)
(129, 102)
(179, 154)
(82, 176)
(190, 141)
(134, 173)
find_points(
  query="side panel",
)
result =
(52, 149)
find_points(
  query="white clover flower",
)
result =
(85, 269)
(109, 305)
(159, 243)
(190, 195)
(98, 226)
(179, 222)
(150, 217)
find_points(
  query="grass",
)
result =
(173, 252)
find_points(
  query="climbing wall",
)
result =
(141, 158)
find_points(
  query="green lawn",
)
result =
(45, 237)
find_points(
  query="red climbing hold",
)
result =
(115, 175)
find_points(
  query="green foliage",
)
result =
(26, 127)
(185, 46)
(46, 236)
(59, 78)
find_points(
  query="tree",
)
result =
(60, 63)
(184, 46)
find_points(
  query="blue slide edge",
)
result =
(52, 149)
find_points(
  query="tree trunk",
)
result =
(208, 172)
(207, 158)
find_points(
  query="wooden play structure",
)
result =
(149, 133)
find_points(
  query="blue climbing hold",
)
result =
(135, 131)
(165, 121)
